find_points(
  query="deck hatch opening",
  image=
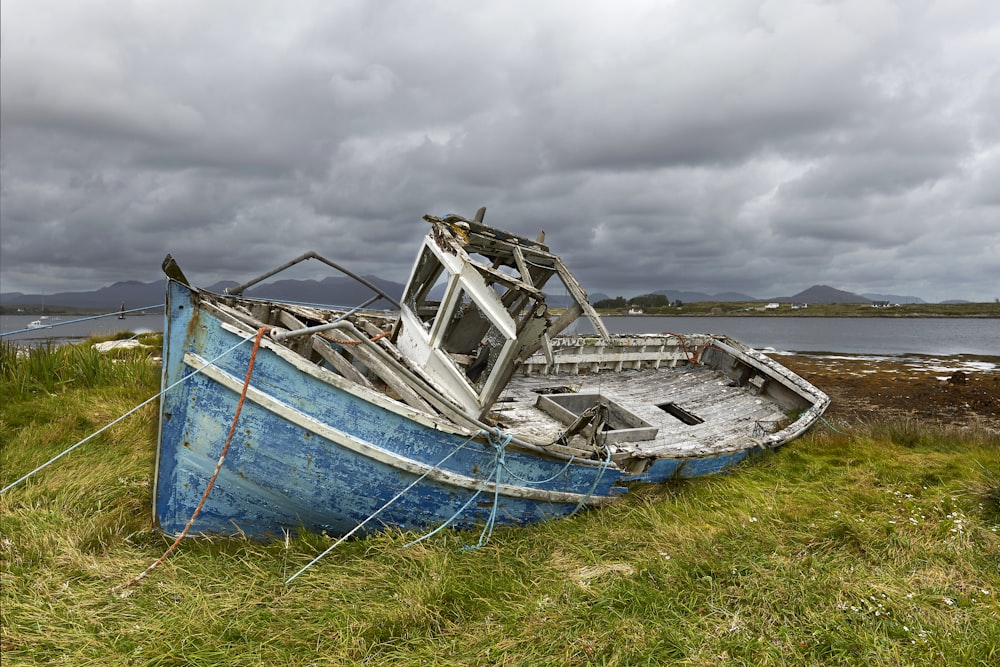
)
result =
(620, 425)
(680, 413)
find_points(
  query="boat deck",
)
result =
(732, 417)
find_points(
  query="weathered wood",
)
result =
(387, 375)
(418, 381)
(304, 345)
(338, 361)
(236, 314)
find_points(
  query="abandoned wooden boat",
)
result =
(461, 406)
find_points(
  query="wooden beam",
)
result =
(341, 364)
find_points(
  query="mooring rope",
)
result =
(600, 473)
(218, 466)
(67, 451)
(533, 482)
(831, 426)
(130, 412)
(60, 323)
(380, 509)
(499, 442)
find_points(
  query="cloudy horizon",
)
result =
(752, 146)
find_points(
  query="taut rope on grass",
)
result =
(379, 510)
(218, 467)
(106, 427)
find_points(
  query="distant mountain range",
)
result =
(818, 294)
(343, 291)
(331, 291)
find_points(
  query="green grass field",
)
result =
(878, 544)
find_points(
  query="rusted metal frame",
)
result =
(312, 255)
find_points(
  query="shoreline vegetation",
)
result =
(873, 539)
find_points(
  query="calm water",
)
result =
(64, 327)
(875, 335)
(866, 335)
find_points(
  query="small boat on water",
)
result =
(35, 324)
(464, 404)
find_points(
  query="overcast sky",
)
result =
(759, 147)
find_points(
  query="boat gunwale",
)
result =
(382, 455)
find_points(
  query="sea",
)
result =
(59, 329)
(847, 335)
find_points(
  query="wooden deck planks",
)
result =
(730, 414)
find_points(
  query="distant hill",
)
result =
(340, 291)
(822, 294)
(132, 293)
(343, 291)
(893, 298)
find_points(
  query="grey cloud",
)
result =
(756, 146)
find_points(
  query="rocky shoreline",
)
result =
(957, 391)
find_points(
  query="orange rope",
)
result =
(218, 467)
(691, 359)
(352, 342)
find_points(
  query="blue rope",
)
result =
(600, 473)
(379, 511)
(449, 520)
(82, 319)
(542, 481)
(499, 441)
(830, 426)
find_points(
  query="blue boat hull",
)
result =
(312, 453)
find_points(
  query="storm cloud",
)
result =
(752, 146)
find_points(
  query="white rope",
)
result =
(378, 511)
(130, 412)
